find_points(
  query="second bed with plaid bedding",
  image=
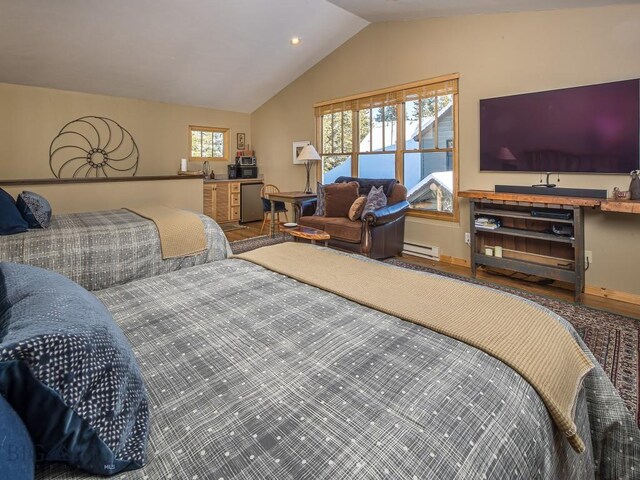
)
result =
(253, 375)
(101, 249)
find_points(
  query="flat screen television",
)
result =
(591, 129)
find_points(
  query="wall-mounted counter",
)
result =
(606, 205)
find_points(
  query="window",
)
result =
(208, 143)
(407, 132)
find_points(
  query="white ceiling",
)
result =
(225, 54)
(394, 10)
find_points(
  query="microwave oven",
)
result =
(246, 161)
(242, 171)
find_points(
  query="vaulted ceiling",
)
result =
(225, 54)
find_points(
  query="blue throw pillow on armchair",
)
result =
(69, 373)
(11, 220)
(35, 209)
(375, 200)
(17, 459)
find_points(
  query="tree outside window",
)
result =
(208, 143)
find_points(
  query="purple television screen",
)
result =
(582, 129)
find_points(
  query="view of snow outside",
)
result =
(417, 165)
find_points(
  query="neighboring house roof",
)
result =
(375, 136)
(422, 189)
(430, 122)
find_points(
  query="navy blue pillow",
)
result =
(35, 209)
(10, 219)
(17, 459)
(69, 372)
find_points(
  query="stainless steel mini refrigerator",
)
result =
(250, 202)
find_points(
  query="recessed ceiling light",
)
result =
(295, 41)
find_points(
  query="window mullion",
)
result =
(401, 141)
(342, 132)
(355, 145)
(371, 129)
(435, 124)
(420, 112)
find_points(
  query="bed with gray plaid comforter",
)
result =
(103, 249)
(252, 375)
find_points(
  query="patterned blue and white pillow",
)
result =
(320, 201)
(375, 200)
(69, 373)
(35, 209)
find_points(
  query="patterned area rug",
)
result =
(241, 246)
(613, 339)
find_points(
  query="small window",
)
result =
(208, 143)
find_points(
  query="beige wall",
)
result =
(86, 197)
(30, 118)
(495, 55)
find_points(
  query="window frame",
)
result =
(400, 151)
(225, 143)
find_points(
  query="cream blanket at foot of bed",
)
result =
(181, 232)
(524, 336)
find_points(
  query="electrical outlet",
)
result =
(588, 256)
(467, 238)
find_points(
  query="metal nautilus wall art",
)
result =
(93, 147)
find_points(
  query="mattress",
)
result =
(102, 249)
(253, 375)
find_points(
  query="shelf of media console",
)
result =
(566, 274)
(515, 232)
(496, 212)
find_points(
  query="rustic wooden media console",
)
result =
(528, 243)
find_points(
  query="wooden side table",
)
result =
(308, 233)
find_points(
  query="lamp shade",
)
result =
(308, 154)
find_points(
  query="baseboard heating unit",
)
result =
(424, 251)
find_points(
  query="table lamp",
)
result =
(308, 155)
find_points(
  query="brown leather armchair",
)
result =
(380, 234)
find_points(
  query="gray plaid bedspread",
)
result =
(252, 375)
(102, 249)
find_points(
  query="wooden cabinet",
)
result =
(527, 239)
(222, 201)
(235, 202)
(209, 204)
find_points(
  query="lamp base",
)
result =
(307, 187)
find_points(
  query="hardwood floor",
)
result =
(252, 230)
(621, 308)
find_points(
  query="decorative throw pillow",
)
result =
(69, 373)
(356, 208)
(10, 219)
(17, 458)
(375, 200)
(35, 209)
(320, 201)
(338, 198)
